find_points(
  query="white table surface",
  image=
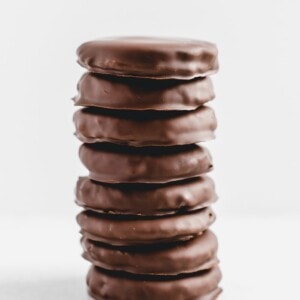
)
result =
(40, 258)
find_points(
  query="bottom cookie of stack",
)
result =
(106, 285)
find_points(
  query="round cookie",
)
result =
(210, 296)
(115, 163)
(145, 128)
(191, 256)
(145, 199)
(133, 230)
(96, 90)
(146, 57)
(202, 285)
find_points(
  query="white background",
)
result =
(256, 154)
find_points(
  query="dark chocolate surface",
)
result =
(142, 94)
(145, 199)
(145, 227)
(133, 230)
(202, 285)
(214, 295)
(114, 163)
(145, 128)
(146, 57)
(183, 257)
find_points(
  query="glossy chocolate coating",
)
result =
(191, 256)
(114, 163)
(117, 230)
(145, 199)
(145, 227)
(158, 58)
(145, 128)
(202, 285)
(213, 295)
(142, 94)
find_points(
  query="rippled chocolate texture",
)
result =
(199, 286)
(146, 57)
(145, 223)
(144, 128)
(95, 90)
(145, 199)
(113, 163)
(194, 255)
(132, 230)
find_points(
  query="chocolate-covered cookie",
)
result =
(142, 94)
(115, 163)
(191, 256)
(158, 58)
(202, 285)
(213, 295)
(145, 199)
(145, 128)
(133, 230)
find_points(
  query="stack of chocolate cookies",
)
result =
(145, 223)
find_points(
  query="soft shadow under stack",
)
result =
(147, 198)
